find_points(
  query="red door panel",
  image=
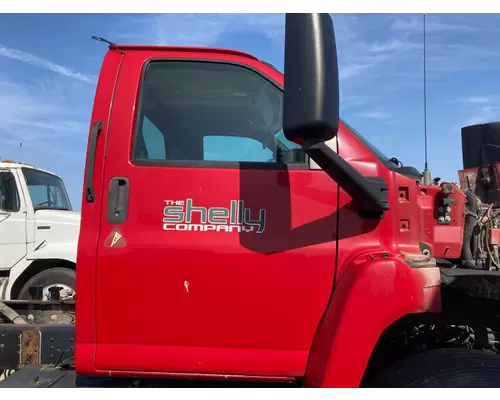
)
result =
(189, 289)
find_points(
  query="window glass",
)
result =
(9, 196)
(210, 111)
(47, 191)
(153, 140)
(235, 148)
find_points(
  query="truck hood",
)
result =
(58, 216)
(56, 228)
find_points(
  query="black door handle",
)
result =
(118, 200)
(89, 176)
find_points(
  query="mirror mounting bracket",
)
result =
(371, 193)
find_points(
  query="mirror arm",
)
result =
(369, 192)
(4, 215)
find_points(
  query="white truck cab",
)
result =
(38, 234)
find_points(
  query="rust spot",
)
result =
(30, 347)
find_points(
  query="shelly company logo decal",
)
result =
(178, 216)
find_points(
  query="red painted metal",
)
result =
(239, 305)
(165, 50)
(495, 236)
(87, 243)
(371, 294)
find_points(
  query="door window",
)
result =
(9, 197)
(210, 112)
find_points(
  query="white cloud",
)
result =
(478, 99)
(43, 63)
(366, 46)
(374, 115)
(393, 45)
(355, 101)
(483, 114)
(431, 25)
(350, 70)
(357, 54)
(480, 109)
(33, 114)
(358, 57)
(450, 23)
(197, 29)
(455, 43)
(359, 51)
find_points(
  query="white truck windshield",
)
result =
(47, 191)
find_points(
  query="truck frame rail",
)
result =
(45, 336)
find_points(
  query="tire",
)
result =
(48, 277)
(444, 368)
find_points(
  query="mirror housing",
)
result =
(311, 94)
(311, 107)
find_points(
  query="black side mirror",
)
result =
(311, 98)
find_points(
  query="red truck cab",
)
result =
(219, 241)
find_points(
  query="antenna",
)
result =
(101, 39)
(112, 46)
(427, 173)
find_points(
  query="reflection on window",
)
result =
(154, 141)
(284, 143)
(234, 148)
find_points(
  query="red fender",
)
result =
(372, 293)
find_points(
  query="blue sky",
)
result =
(49, 67)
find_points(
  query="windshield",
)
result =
(47, 191)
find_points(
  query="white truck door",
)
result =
(13, 245)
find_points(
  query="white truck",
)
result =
(38, 235)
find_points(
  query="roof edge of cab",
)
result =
(192, 49)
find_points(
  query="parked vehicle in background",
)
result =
(38, 234)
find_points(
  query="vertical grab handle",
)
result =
(118, 200)
(89, 174)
